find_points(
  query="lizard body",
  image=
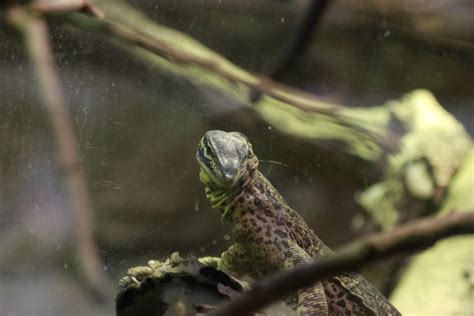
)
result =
(269, 235)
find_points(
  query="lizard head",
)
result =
(225, 158)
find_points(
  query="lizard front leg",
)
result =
(234, 260)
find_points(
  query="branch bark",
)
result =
(288, 108)
(408, 238)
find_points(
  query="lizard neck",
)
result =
(255, 194)
(225, 199)
(260, 200)
(258, 197)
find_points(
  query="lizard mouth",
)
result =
(206, 175)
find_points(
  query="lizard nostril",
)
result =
(271, 236)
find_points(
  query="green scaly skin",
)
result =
(269, 235)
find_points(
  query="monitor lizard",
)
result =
(269, 235)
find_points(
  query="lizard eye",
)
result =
(207, 152)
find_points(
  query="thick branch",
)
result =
(364, 134)
(367, 132)
(35, 34)
(408, 238)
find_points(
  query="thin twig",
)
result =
(297, 46)
(408, 238)
(34, 31)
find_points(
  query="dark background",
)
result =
(138, 128)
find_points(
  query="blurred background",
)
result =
(137, 129)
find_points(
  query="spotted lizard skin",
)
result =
(269, 235)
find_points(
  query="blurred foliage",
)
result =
(440, 280)
(431, 147)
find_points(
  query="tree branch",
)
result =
(366, 132)
(34, 31)
(408, 238)
(363, 134)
